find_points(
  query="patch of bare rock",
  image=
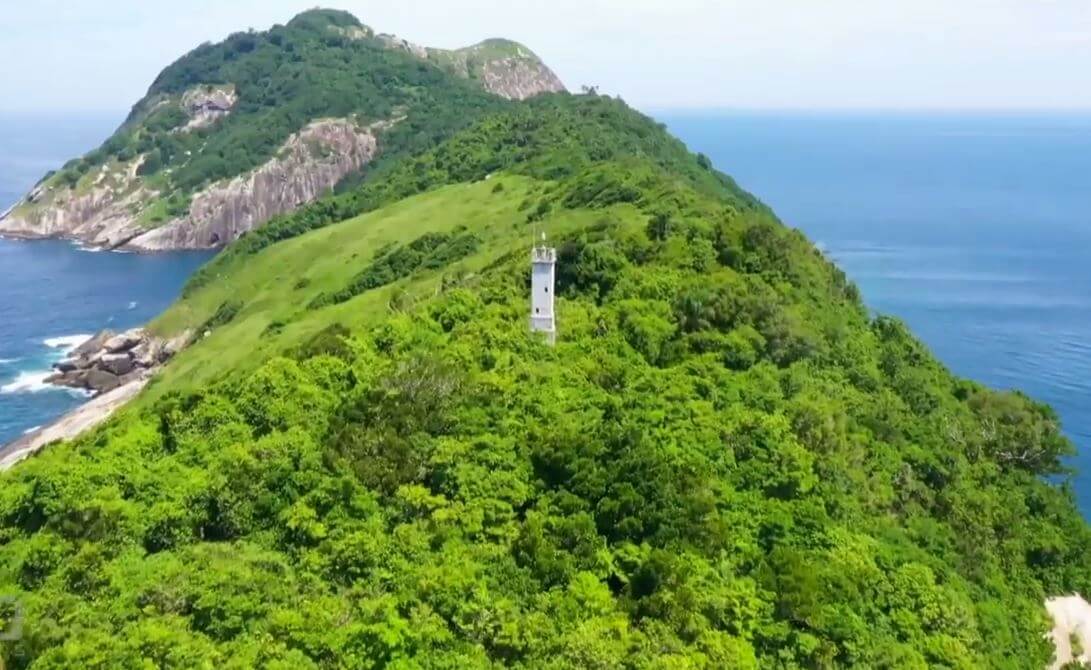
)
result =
(1071, 634)
(205, 104)
(109, 360)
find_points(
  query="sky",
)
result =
(66, 56)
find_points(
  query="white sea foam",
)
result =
(133, 304)
(4, 361)
(28, 382)
(30, 430)
(66, 342)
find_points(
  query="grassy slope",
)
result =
(328, 258)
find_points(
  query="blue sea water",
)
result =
(51, 292)
(974, 229)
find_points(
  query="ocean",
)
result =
(52, 294)
(974, 229)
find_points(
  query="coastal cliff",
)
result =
(309, 164)
(236, 133)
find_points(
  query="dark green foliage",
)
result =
(385, 434)
(428, 252)
(330, 341)
(224, 314)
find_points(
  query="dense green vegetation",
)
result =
(551, 137)
(313, 67)
(368, 462)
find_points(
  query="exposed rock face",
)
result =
(1071, 619)
(395, 42)
(124, 341)
(92, 345)
(109, 360)
(310, 163)
(504, 68)
(102, 216)
(206, 104)
(353, 32)
(519, 78)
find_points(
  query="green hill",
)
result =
(365, 460)
(236, 132)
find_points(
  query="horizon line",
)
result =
(70, 112)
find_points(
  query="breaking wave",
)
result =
(66, 342)
(28, 382)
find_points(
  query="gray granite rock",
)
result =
(119, 364)
(101, 381)
(92, 345)
(124, 341)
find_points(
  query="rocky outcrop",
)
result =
(1071, 623)
(310, 163)
(206, 104)
(504, 68)
(109, 360)
(519, 78)
(101, 216)
(352, 32)
(395, 42)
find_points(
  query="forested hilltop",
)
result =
(236, 132)
(369, 462)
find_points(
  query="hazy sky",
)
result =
(67, 55)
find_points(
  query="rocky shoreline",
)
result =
(109, 360)
(113, 367)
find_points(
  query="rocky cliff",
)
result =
(107, 215)
(311, 163)
(502, 67)
(206, 104)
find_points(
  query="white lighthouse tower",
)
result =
(543, 265)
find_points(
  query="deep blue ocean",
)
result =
(52, 294)
(974, 229)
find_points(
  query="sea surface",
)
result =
(53, 294)
(974, 229)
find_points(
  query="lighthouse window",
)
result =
(536, 310)
(547, 289)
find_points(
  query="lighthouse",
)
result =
(543, 270)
